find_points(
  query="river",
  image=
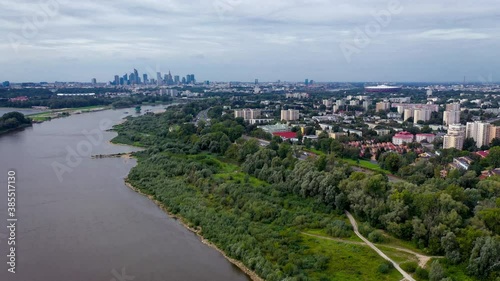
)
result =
(78, 221)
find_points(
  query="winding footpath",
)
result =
(398, 268)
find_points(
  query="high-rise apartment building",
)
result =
(455, 137)
(421, 114)
(479, 131)
(290, 115)
(383, 106)
(247, 114)
(452, 114)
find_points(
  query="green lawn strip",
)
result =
(348, 261)
(366, 165)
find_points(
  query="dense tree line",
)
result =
(456, 216)
(13, 120)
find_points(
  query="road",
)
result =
(398, 268)
(203, 115)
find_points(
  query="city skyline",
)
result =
(242, 40)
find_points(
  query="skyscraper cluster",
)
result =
(134, 78)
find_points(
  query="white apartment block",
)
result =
(455, 137)
(290, 115)
(247, 114)
(452, 114)
(382, 106)
(479, 131)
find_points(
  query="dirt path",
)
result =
(398, 268)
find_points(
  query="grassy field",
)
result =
(366, 165)
(349, 262)
(55, 113)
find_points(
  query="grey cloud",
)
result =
(247, 39)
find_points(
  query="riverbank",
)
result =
(23, 126)
(183, 222)
(64, 112)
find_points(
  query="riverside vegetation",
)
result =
(265, 208)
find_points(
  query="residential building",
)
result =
(247, 114)
(427, 137)
(382, 106)
(403, 137)
(479, 131)
(455, 137)
(290, 115)
(421, 114)
(327, 103)
(452, 114)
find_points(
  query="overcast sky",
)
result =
(241, 40)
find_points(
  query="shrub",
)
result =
(339, 229)
(409, 266)
(376, 236)
(385, 267)
(422, 273)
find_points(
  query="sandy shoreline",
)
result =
(181, 220)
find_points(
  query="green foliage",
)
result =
(266, 195)
(422, 273)
(13, 120)
(409, 267)
(376, 236)
(436, 272)
(385, 267)
(339, 229)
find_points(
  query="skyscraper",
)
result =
(184, 81)
(256, 81)
(170, 80)
(125, 79)
(158, 78)
(94, 81)
(145, 78)
(306, 82)
(177, 79)
(136, 76)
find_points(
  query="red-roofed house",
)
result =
(403, 137)
(483, 154)
(286, 135)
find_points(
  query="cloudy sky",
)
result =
(240, 40)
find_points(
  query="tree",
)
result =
(451, 247)
(494, 157)
(436, 272)
(485, 257)
(495, 142)
(392, 162)
(470, 144)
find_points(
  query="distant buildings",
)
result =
(425, 137)
(452, 114)
(297, 96)
(94, 81)
(290, 115)
(403, 137)
(247, 114)
(455, 137)
(382, 89)
(328, 103)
